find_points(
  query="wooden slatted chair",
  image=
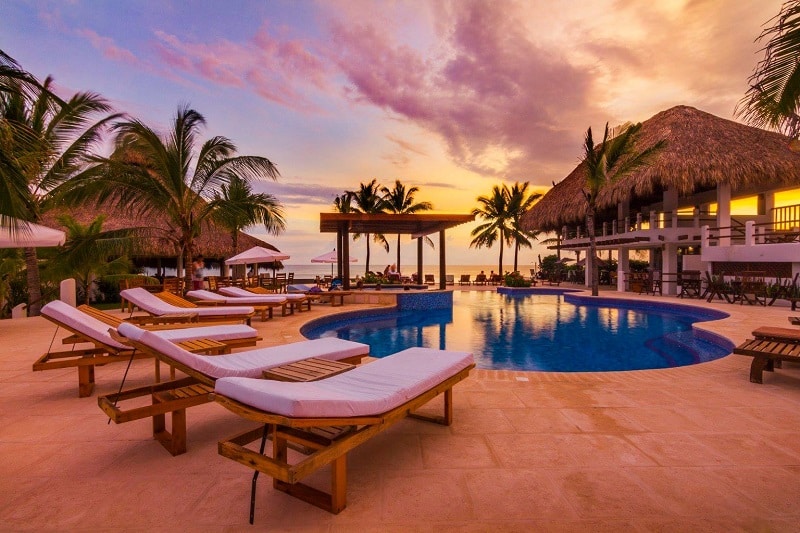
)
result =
(165, 304)
(263, 304)
(330, 417)
(174, 397)
(91, 326)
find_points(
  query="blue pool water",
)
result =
(556, 333)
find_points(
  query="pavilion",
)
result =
(416, 225)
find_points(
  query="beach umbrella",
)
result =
(30, 235)
(257, 254)
(331, 258)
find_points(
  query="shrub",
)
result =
(515, 279)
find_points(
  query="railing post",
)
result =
(564, 234)
(638, 222)
(653, 220)
(749, 233)
(696, 217)
(614, 227)
(674, 219)
(605, 229)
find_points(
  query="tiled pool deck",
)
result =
(689, 449)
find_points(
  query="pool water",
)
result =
(541, 332)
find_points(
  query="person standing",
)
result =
(198, 273)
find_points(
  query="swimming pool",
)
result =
(545, 332)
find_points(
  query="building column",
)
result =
(442, 262)
(623, 266)
(669, 265)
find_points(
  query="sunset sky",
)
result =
(453, 97)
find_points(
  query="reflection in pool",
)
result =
(542, 332)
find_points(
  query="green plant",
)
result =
(515, 279)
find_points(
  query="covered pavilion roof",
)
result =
(416, 225)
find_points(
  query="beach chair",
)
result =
(753, 288)
(328, 418)
(429, 279)
(174, 397)
(767, 354)
(449, 279)
(296, 300)
(89, 326)
(263, 304)
(480, 279)
(464, 279)
(155, 305)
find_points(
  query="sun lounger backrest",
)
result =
(148, 302)
(64, 314)
(250, 363)
(369, 389)
(202, 294)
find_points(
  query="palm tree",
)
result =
(89, 253)
(494, 210)
(519, 202)
(367, 200)
(152, 176)
(48, 144)
(774, 94)
(608, 161)
(240, 207)
(400, 200)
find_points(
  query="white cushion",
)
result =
(76, 319)
(369, 389)
(248, 363)
(156, 306)
(226, 332)
(242, 293)
(252, 299)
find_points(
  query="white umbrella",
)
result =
(256, 254)
(331, 258)
(30, 235)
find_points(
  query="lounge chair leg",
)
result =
(85, 381)
(174, 442)
(756, 369)
(255, 476)
(339, 484)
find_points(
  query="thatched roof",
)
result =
(702, 150)
(214, 242)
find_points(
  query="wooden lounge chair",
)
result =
(480, 279)
(297, 300)
(464, 279)
(766, 353)
(330, 417)
(263, 304)
(794, 320)
(174, 397)
(449, 279)
(429, 279)
(91, 326)
(155, 305)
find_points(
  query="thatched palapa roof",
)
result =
(702, 150)
(214, 241)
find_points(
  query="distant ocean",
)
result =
(310, 271)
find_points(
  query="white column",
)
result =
(623, 265)
(669, 265)
(68, 294)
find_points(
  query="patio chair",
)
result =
(716, 286)
(174, 397)
(328, 418)
(449, 279)
(429, 279)
(263, 304)
(296, 300)
(480, 279)
(155, 305)
(691, 284)
(89, 326)
(753, 289)
(464, 279)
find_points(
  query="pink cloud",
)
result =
(494, 92)
(280, 71)
(108, 47)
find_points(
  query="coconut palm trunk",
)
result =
(34, 282)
